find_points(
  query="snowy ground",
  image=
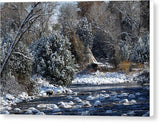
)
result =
(103, 78)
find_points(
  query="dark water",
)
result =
(111, 103)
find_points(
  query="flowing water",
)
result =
(125, 99)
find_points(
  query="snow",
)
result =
(65, 105)
(97, 103)
(124, 101)
(17, 109)
(131, 96)
(98, 96)
(10, 97)
(7, 100)
(45, 88)
(86, 103)
(102, 78)
(48, 107)
(77, 99)
(123, 95)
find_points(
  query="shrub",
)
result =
(53, 59)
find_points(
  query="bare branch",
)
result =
(26, 57)
(19, 35)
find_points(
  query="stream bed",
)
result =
(125, 99)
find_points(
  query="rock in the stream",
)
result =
(28, 112)
(133, 102)
(32, 110)
(131, 113)
(49, 107)
(10, 97)
(132, 96)
(17, 109)
(138, 93)
(90, 97)
(146, 114)
(123, 95)
(77, 99)
(69, 97)
(86, 104)
(49, 92)
(97, 103)
(85, 113)
(64, 105)
(55, 107)
(5, 112)
(69, 91)
(124, 101)
(109, 111)
(40, 113)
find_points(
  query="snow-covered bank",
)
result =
(103, 78)
(44, 89)
(7, 100)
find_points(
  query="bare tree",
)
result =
(25, 25)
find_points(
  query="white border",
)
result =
(151, 60)
(41, 119)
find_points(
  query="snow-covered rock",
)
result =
(86, 104)
(109, 111)
(124, 101)
(138, 93)
(47, 89)
(133, 102)
(77, 99)
(55, 107)
(64, 105)
(28, 112)
(132, 96)
(97, 103)
(123, 95)
(85, 113)
(5, 112)
(48, 107)
(69, 97)
(32, 110)
(90, 98)
(69, 91)
(40, 113)
(146, 114)
(131, 113)
(10, 97)
(17, 109)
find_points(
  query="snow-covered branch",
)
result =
(19, 35)
(26, 57)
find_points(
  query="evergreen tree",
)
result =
(53, 59)
(84, 31)
(141, 50)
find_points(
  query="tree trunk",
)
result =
(84, 55)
